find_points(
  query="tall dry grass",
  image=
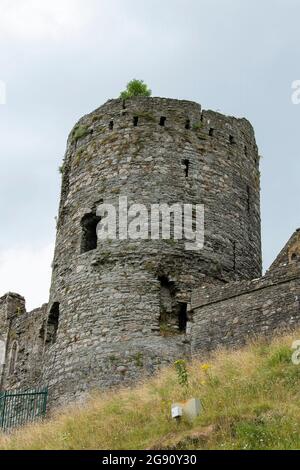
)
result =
(251, 400)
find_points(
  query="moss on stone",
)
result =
(197, 125)
(79, 132)
(138, 359)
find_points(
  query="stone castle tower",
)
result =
(122, 308)
(119, 308)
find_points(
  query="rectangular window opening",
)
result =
(162, 121)
(182, 317)
(89, 232)
(52, 324)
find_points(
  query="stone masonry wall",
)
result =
(108, 306)
(290, 252)
(24, 334)
(229, 316)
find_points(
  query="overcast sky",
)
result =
(61, 59)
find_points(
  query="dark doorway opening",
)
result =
(89, 232)
(52, 324)
(182, 317)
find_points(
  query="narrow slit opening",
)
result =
(248, 199)
(182, 317)
(52, 324)
(188, 124)
(186, 164)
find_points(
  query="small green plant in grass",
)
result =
(282, 355)
(209, 379)
(253, 435)
(182, 373)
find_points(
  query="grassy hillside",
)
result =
(251, 400)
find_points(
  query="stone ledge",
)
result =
(210, 295)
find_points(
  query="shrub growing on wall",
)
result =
(135, 88)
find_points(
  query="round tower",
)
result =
(119, 308)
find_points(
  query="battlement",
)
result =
(165, 115)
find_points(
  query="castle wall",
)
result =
(24, 336)
(229, 316)
(115, 320)
(290, 253)
(11, 305)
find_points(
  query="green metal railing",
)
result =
(19, 408)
